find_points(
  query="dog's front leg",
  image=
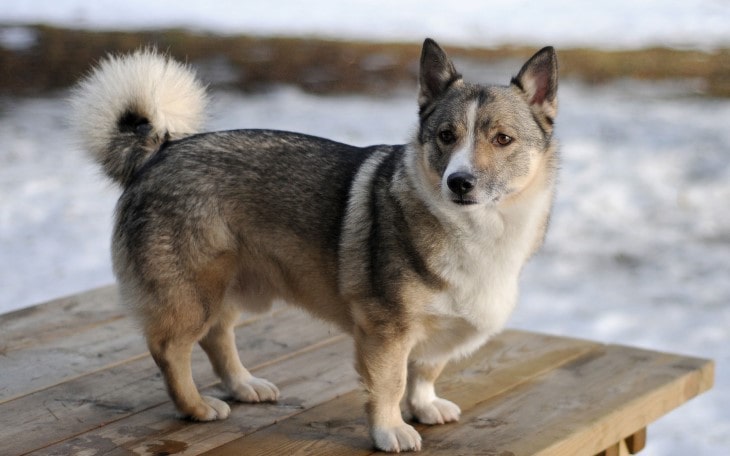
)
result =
(382, 361)
(424, 405)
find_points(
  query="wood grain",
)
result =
(76, 378)
(338, 427)
(108, 395)
(583, 407)
(70, 337)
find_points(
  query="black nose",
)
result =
(461, 182)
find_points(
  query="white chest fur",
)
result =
(482, 264)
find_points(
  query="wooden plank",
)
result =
(584, 407)
(42, 345)
(108, 395)
(569, 396)
(312, 376)
(46, 344)
(338, 427)
(541, 406)
(510, 359)
(59, 318)
(38, 357)
(50, 362)
(641, 391)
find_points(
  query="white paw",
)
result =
(397, 438)
(438, 411)
(255, 390)
(210, 409)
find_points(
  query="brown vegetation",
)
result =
(60, 56)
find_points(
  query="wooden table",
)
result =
(76, 378)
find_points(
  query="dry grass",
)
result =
(61, 56)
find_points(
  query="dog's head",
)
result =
(482, 144)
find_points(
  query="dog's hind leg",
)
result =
(171, 348)
(181, 313)
(220, 345)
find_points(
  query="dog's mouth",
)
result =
(464, 201)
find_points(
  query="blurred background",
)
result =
(638, 250)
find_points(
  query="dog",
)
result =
(415, 249)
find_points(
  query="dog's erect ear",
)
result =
(538, 79)
(437, 73)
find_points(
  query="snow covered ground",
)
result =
(639, 247)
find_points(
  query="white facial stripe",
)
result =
(462, 158)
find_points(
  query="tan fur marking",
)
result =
(485, 156)
(213, 279)
(171, 341)
(382, 359)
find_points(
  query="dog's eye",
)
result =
(503, 140)
(447, 137)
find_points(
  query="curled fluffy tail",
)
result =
(129, 105)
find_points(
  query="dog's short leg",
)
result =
(382, 361)
(421, 399)
(173, 355)
(220, 345)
